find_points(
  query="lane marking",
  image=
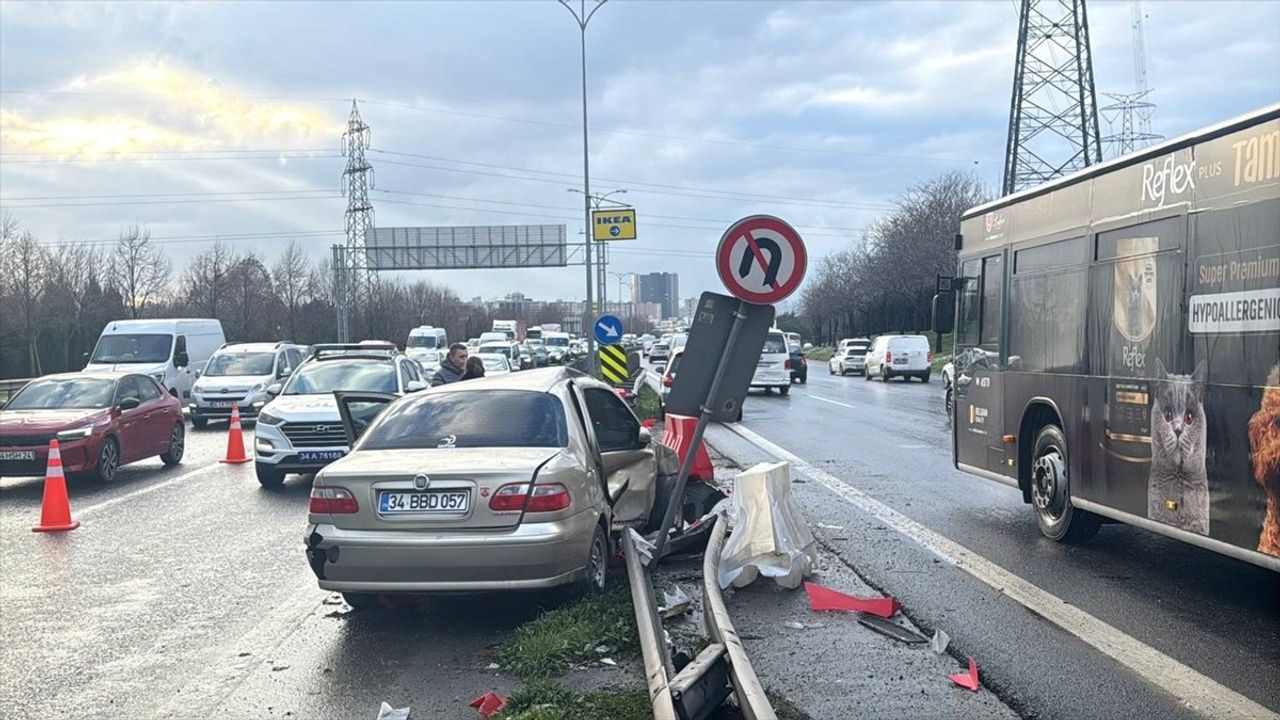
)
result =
(833, 402)
(1198, 692)
(144, 490)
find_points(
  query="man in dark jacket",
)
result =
(453, 367)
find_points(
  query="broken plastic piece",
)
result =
(602, 649)
(825, 526)
(674, 604)
(770, 536)
(939, 641)
(824, 598)
(792, 624)
(609, 661)
(967, 680)
(888, 629)
(643, 547)
(386, 712)
(489, 703)
(492, 666)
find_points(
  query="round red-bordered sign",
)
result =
(761, 259)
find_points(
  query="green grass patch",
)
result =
(544, 700)
(648, 404)
(820, 353)
(547, 646)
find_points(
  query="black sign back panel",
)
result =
(708, 334)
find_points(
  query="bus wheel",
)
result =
(1051, 492)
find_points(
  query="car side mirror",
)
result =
(285, 372)
(199, 373)
(274, 389)
(181, 359)
(645, 437)
(414, 386)
(129, 403)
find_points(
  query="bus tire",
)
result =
(1051, 491)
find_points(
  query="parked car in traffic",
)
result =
(101, 420)
(660, 352)
(798, 363)
(507, 483)
(538, 352)
(494, 363)
(669, 374)
(300, 430)
(904, 356)
(526, 358)
(237, 376)
(428, 360)
(557, 344)
(848, 359)
(772, 372)
(509, 350)
(171, 351)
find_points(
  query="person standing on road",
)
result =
(475, 368)
(453, 367)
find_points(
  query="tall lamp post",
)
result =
(602, 259)
(583, 16)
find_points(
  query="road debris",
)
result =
(939, 642)
(643, 547)
(890, 630)
(674, 603)
(386, 712)
(770, 535)
(824, 598)
(492, 666)
(609, 661)
(795, 625)
(489, 703)
(967, 680)
(825, 526)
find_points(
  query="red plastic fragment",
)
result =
(489, 703)
(824, 598)
(967, 680)
(648, 424)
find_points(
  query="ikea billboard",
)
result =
(614, 224)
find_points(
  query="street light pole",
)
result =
(602, 259)
(583, 17)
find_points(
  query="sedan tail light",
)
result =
(667, 381)
(786, 365)
(929, 355)
(545, 498)
(332, 501)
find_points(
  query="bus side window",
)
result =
(967, 327)
(992, 294)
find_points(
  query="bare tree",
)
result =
(293, 275)
(26, 264)
(139, 271)
(205, 280)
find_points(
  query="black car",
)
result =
(799, 364)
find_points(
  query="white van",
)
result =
(493, 336)
(772, 371)
(424, 338)
(557, 346)
(903, 356)
(238, 376)
(171, 351)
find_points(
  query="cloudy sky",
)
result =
(204, 120)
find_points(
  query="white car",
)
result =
(904, 356)
(237, 376)
(429, 360)
(494, 364)
(948, 385)
(660, 352)
(508, 350)
(772, 372)
(848, 359)
(300, 431)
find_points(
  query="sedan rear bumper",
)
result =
(529, 556)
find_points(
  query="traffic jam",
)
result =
(267, 456)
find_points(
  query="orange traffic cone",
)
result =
(235, 440)
(55, 510)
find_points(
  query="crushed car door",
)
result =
(359, 410)
(628, 459)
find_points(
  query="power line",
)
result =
(177, 239)
(165, 195)
(683, 188)
(309, 155)
(194, 201)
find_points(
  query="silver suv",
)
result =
(300, 430)
(237, 375)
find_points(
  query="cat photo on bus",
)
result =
(1178, 486)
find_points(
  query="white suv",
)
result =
(773, 369)
(300, 431)
(903, 356)
(238, 376)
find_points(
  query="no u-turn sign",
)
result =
(761, 259)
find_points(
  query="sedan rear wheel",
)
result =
(108, 461)
(597, 571)
(177, 444)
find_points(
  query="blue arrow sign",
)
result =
(608, 330)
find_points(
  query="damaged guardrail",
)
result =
(720, 670)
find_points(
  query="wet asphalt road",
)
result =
(185, 594)
(1219, 616)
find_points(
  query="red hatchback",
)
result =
(101, 421)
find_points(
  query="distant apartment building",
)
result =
(662, 288)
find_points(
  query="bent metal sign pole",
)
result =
(761, 260)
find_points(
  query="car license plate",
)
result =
(222, 403)
(394, 503)
(18, 455)
(899, 361)
(320, 455)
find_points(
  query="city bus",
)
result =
(1117, 343)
